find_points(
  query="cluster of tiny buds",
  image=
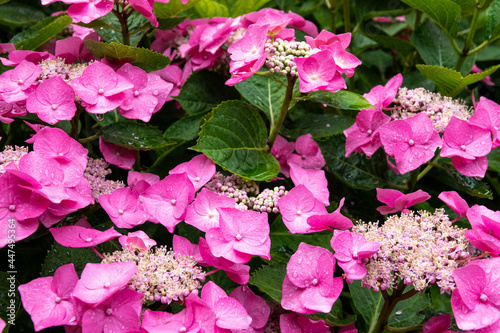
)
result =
(11, 155)
(235, 36)
(162, 275)
(96, 172)
(58, 67)
(420, 249)
(267, 200)
(234, 187)
(439, 108)
(282, 54)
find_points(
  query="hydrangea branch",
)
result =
(284, 109)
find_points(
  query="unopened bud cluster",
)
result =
(282, 53)
(439, 108)
(267, 200)
(58, 67)
(11, 155)
(234, 187)
(96, 172)
(162, 275)
(420, 249)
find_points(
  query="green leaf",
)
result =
(266, 93)
(356, 171)
(281, 237)
(393, 43)
(40, 33)
(445, 13)
(492, 18)
(489, 53)
(494, 160)
(18, 15)
(378, 59)
(440, 301)
(343, 99)
(466, 6)
(406, 313)
(335, 317)
(269, 279)
(451, 82)
(318, 125)
(235, 138)
(136, 136)
(471, 185)
(367, 302)
(140, 57)
(186, 128)
(203, 91)
(227, 8)
(171, 22)
(173, 7)
(60, 255)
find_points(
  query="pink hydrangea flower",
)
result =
(439, 324)
(137, 240)
(485, 233)
(476, 300)
(309, 285)
(487, 116)
(200, 169)
(183, 246)
(276, 21)
(363, 136)
(123, 207)
(87, 11)
(327, 38)
(397, 201)
(281, 150)
(314, 180)
(351, 249)
(100, 88)
(121, 157)
(17, 84)
(294, 323)
(333, 220)
(382, 96)
(203, 212)
(319, 72)
(455, 202)
(256, 307)
(345, 61)
(49, 300)
(308, 153)
(411, 141)
(76, 236)
(240, 235)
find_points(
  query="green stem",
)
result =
(284, 109)
(74, 123)
(427, 168)
(418, 18)
(122, 18)
(468, 42)
(90, 138)
(332, 6)
(347, 16)
(403, 329)
(413, 179)
(483, 45)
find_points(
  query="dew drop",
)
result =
(88, 240)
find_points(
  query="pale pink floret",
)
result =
(251, 47)
(314, 180)
(182, 246)
(48, 300)
(308, 153)
(382, 96)
(467, 145)
(281, 150)
(100, 88)
(487, 116)
(411, 141)
(17, 84)
(203, 213)
(87, 11)
(309, 285)
(241, 234)
(119, 313)
(123, 207)
(121, 157)
(485, 233)
(137, 240)
(294, 323)
(351, 250)
(51, 107)
(455, 202)
(363, 136)
(200, 169)
(99, 281)
(397, 201)
(76, 236)
(333, 220)
(476, 300)
(256, 307)
(319, 72)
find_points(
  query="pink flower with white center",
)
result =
(351, 249)
(51, 107)
(175, 75)
(200, 169)
(137, 240)
(49, 300)
(76, 236)
(166, 201)
(240, 235)
(121, 157)
(9, 110)
(281, 150)
(294, 323)
(100, 88)
(86, 11)
(327, 38)
(297, 206)
(411, 141)
(250, 48)
(203, 213)
(476, 300)
(328, 221)
(99, 281)
(485, 233)
(256, 307)
(182, 246)
(487, 116)
(319, 72)
(345, 61)
(147, 96)
(314, 180)
(467, 145)
(397, 201)
(17, 84)
(135, 177)
(363, 136)
(309, 285)
(382, 96)
(123, 207)
(119, 313)
(455, 202)
(239, 273)
(308, 153)
(438, 324)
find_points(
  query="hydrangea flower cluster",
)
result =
(420, 249)
(281, 55)
(235, 187)
(11, 155)
(96, 172)
(267, 200)
(59, 67)
(162, 275)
